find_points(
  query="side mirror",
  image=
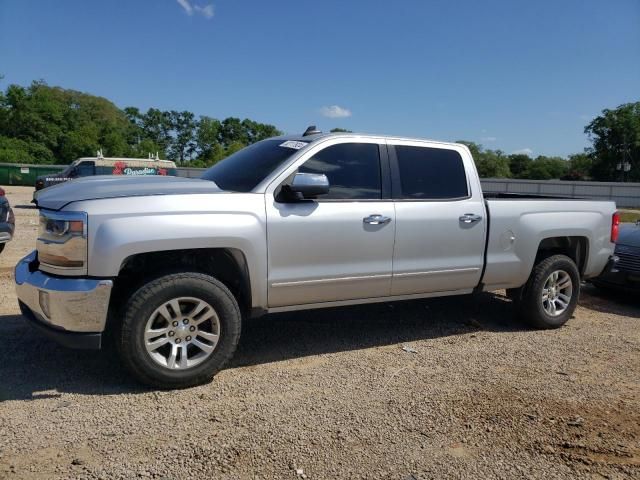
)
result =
(309, 185)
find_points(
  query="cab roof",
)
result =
(321, 135)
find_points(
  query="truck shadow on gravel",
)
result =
(33, 367)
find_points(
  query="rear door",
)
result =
(340, 246)
(440, 219)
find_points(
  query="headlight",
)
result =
(62, 242)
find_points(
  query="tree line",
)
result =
(40, 124)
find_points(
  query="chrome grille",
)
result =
(629, 258)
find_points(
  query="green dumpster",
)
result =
(23, 174)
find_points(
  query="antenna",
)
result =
(311, 130)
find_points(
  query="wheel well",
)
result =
(228, 265)
(576, 248)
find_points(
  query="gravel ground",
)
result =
(332, 394)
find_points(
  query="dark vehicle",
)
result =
(625, 274)
(7, 220)
(89, 166)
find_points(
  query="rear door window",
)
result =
(430, 173)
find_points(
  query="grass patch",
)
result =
(631, 217)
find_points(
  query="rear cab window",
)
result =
(427, 173)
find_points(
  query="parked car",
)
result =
(625, 274)
(172, 265)
(89, 166)
(7, 220)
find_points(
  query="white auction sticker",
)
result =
(293, 144)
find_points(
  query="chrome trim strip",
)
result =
(321, 281)
(436, 272)
(360, 301)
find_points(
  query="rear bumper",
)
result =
(71, 310)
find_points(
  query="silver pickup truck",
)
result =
(170, 266)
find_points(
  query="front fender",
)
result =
(123, 227)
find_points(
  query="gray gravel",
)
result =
(333, 394)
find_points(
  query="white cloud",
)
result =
(488, 139)
(205, 10)
(335, 111)
(187, 6)
(526, 151)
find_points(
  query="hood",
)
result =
(629, 235)
(109, 186)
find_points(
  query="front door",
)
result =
(339, 246)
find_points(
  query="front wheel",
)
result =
(551, 293)
(179, 330)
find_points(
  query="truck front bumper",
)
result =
(73, 311)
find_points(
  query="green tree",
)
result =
(58, 125)
(156, 128)
(547, 168)
(615, 135)
(490, 163)
(519, 164)
(207, 140)
(579, 168)
(183, 144)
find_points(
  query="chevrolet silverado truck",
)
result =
(168, 267)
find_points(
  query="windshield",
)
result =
(67, 170)
(245, 169)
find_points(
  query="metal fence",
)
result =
(624, 194)
(189, 172)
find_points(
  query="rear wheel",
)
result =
(551, 294)
(179, 330)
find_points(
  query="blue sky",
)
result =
(510, 74)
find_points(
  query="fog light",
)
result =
(44, 302)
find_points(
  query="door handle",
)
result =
(470, 218)
(376, 219)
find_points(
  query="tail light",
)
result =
(615, 227)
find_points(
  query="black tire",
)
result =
(514, 294)
(140, 307)
(531, 307)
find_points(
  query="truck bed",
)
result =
(518, 224)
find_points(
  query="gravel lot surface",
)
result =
(332, 394)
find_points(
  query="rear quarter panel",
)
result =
(519, 226)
